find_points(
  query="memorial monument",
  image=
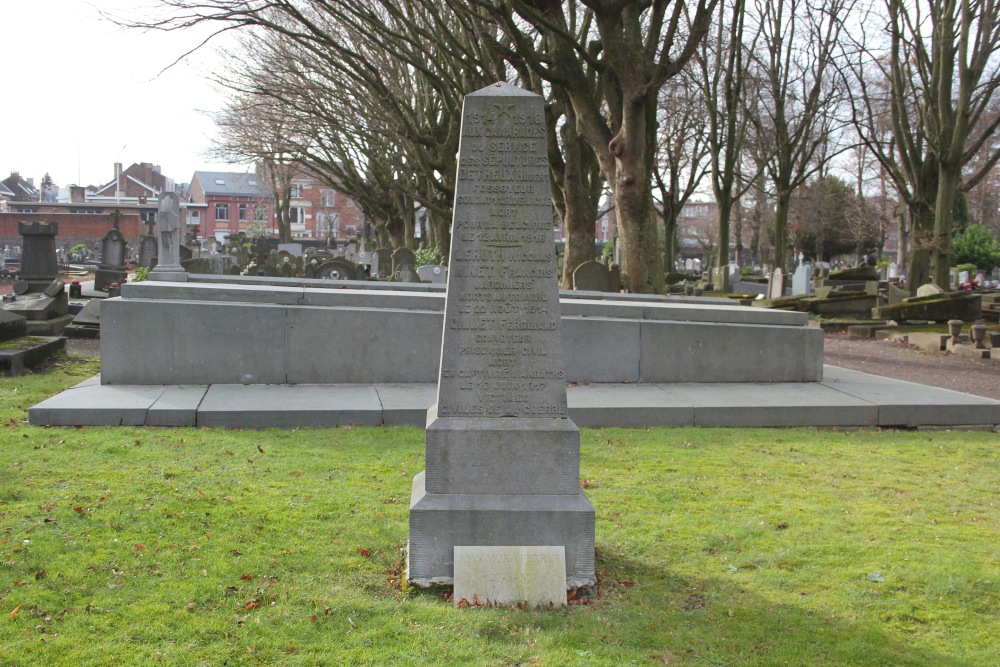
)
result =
(168, 223)
(502, 456)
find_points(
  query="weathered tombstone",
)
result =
(802, 279)
(893, 271)
(350, 251)
(929, 289)
(433, 273)
(38, 258)
(112, 269)
(615, 278)
(294, 249)
(337, 268)
(147, 247)
(12, 326)
(168, 222)
(963, 277)
(502, 455)
(404, 266)
(776, 285)
(382, 264)
(592, 277)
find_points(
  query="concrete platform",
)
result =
(844, 398)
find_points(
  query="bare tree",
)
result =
(612, 72)
(922, 97)
(680, 159)
(798, 95)
(722, 75)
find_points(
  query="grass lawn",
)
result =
(141, 546)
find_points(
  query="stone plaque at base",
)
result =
(502, 575)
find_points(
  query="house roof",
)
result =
(5, 191)
(20, 189)
(230, 183)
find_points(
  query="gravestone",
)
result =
(382, 264)
(294, 249)
(592, 277)
(338, 268)
(502, 456)
(168, 222)
(776, 285)
(12, 326)
(147, 247)
(113, 247)
(404, 266)
(802, 279)
(38, 257)
(433, 273)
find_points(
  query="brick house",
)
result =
(141, 182)
(320, 211)
(85, 214)
(229, 201)
(20, 189)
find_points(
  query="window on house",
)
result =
(296, 190)
(222, 211)
(194, 216)
(243, 212)
(328, 198)
(296, 216)
(260, 213)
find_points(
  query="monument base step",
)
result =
(440, 522)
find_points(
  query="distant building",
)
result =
(229, 201)
(320, 211)
(20, 189)
(141, 182)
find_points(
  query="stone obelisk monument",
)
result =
(502, 456)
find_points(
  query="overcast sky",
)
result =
(79, 92)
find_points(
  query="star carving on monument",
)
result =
(504, 110)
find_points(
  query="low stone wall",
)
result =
(275, 333)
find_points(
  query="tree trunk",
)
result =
(725, 212)
(632, 148)
(579, 204)
(781, 229)
(948, 183)
(918, 270)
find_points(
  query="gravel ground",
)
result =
(887, 358)
(906, 362)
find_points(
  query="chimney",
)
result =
(77, 194)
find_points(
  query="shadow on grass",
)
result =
(715, 620)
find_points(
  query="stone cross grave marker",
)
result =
(502, 456)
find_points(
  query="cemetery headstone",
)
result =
(38, 257)
(802, 279)
(148, 247)
(337, 268)
(502, 456)
(433, 273)
(382, 264)
(404, 266)
(776, 285)
(168, 222)
(294, 249)
(113, 247)
(615, 278)
(592, 277)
